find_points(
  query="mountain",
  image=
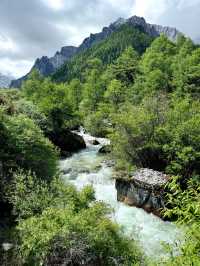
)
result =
(48, 66)
(5, 81)
(152, 30)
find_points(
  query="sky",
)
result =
(32, 28)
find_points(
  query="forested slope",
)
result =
(107, 51)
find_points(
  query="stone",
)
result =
(47, 66)
(7, 246)
(67, 141)
(145, 189)
(95, 142)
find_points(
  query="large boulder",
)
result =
(67, 141)
(145, 189)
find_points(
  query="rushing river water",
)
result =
(88, 167)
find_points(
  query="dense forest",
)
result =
(142, 94)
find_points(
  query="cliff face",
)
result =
(135, 21)
(152, 29)
(48, 66)
(144, 190)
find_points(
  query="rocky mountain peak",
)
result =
(120, 21)
(153, 29)
(48, 66)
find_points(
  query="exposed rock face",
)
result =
(144, 190)
(153, 30)
(48, 66)
(5, 81)
(67, 141)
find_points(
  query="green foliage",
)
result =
(75, 93)
(155, 67)
(186, 207)
(31, 196)
(159, 134)
(25, 146)
(22, 143)
(115, 93)
(125, 68)
(57, 215)
(98, 123)
(105, 91)
(100, 237)
(93, 88)
(52, 100)
(29, 109)
(187, 70)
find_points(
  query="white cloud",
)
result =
(32, 28)
(185, 3)
(54, 4)
(122, 6)
(7, 44)
(151, 10)
(14, 68)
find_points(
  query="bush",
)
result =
(26, 147)
(59, 225)
(29, 109)
(186, 207)
(88, 236)
(162, 131)
(30, 196)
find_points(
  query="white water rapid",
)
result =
(88, 167)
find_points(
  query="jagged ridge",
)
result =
(48, 66)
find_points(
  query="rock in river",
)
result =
(67, 141)
(145, 189)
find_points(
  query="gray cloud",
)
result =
(185, 16)
(182, 14)
(32, 28)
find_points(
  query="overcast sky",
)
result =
(32, 28)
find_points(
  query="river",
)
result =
(90, 168)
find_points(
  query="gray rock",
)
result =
(153, 29)
(95, 142)
(144, 190)
(67, 141)
(47, 66)
(7, 246)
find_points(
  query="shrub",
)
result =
(25, 147)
